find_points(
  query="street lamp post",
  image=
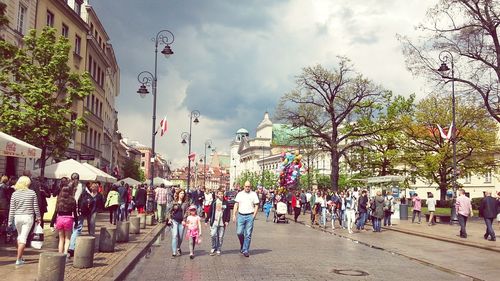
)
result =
(146, 78)
(208, 144)
(444, 57)
(193, 118)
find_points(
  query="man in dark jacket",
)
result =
(488, 209)
(363, 211)
(219, 216)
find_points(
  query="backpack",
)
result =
(388, 205)
(85, 203)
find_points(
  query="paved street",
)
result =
(299, 252)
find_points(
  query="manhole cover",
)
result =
(350, 272)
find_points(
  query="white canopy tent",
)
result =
(11, 146)
(158, 181)
(109, 178)
(129, 181)
(66, 168)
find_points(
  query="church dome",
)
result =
(242, 131)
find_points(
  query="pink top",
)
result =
(417, 203)
(192, 226)
(463, 205)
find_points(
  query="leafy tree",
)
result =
(132, 169)
(334, 106)
(7, 50)
(430, 156)
(252, 177)
(269, 179)
(38, 104)
(468, 29)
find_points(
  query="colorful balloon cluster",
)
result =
(289, 169)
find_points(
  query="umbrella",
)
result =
(108, 177)
(11, 146)
(129, 181)
(66, 168)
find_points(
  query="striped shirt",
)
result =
(161, 195)
(23, 202)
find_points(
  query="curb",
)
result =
(127, 264)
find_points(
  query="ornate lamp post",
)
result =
(193, 118)
(208, 144)
(444, 57)
(146, 78)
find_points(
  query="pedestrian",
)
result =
(498, 211)
(388, 209)
(378, 214)
(140, 199)
(417, 208)
(350, 205)
(123, 191)
(207, 202)
(362, 210)
(268, 205)
(23, 207)
(296, 203)
(113, 204)
(463, 208)
(308, 200)
(193, 225)
(150, 199)
(342, 209)
(65, 216)
(489, 209)
(321, 209)
(77, 189)
(161, 197)
(4, 201)
(303, 200)
(178, 213)
(431, 208)
(312, 205)
(86, 210)
(218, 215)
(246, 206)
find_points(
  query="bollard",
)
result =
(122, 229)
(51, 266)
(96, 243)
(135, 227)
(107, 240)
(84, 252)
(142, 218)
(149, 220)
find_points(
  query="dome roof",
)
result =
(242, 131)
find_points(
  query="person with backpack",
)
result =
(64, 218)
(388, 209)
(79, 191)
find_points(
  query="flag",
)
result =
(192, 156)
(163, 126)
(443, 135)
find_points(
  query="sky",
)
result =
(234, 59)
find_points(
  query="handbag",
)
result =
(37, 237)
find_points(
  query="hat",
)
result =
(192, 207)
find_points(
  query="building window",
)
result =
(468, 178)
(21, 18)
(50, 19)
(91, 133)
(90, 64)
(65, 30)
(487, 177)
(78, 7)
(78, 43)
(142, 163)
(95, 139)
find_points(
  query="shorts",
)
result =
(23, 226)
(65, 223)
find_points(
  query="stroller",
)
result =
(280, 213)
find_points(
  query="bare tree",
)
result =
(468, 30)
(335, 106)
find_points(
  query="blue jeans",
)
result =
(489, 228)
(77, 231)
(123, 212)
(361, 221)
(377, 224)
(177, 235)
(323, 216)
(342, 218)
(217, 235)
(244, 228)
(387, 218)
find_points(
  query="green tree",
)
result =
(39, 102)
(429, 156)
(469, 31)
(253, 177)
(132, 169)
(7, 50)
(334, 106)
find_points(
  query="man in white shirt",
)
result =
(246, 206)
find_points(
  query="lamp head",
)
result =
(444, 67)
(143, 91)
(196, 121)
(167, 51)
(183, 141)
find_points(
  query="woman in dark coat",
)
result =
(140, 199)
(378, 214)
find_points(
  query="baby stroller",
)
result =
(280, 213)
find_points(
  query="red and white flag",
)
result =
(446, 136)
(163, 126)
(192, 156)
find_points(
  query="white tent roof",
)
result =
(129, 181)
(11, 146)
(158, 181)
(66, 168)
(108, 177)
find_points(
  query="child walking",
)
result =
(193, 234)
(268, 205)
(64, 217)
(219, 216)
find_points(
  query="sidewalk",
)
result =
(109, 266)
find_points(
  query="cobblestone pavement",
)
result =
(287, 252)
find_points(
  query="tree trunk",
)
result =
(43, 159)
(335, 168)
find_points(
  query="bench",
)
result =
(439, 218)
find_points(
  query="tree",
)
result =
(253, 177)
(334, 106)
(37, 105)
(429, 155)
(468, 30)
(7, 50)
(132, 169)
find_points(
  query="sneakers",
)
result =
(191, 256)
(218, 253)
(212, 252)
(20, 262)
(179, 252)
(246, 254)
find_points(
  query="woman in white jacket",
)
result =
(350, 210)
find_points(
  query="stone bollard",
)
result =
(122, 230)
(107, 240)
(96, 243)
(142, 218)
(51, 266)
(135, 227)
(149, 220)
(84, 252)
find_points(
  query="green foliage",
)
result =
(132, 169)
(269, 179)
(38, 103)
